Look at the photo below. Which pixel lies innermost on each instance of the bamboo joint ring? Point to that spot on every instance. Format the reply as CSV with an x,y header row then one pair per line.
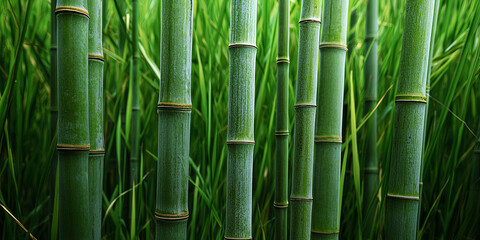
x,y
68,9
238,45
171,217
333,45
411,98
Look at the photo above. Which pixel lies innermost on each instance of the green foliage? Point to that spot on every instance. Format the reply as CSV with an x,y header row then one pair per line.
x,y
26,149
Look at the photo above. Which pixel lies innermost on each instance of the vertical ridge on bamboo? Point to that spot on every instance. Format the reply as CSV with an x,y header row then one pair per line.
x,y
371,160
240,136
95,109
174,111
281,131
73,143
410,102
306,90
328,130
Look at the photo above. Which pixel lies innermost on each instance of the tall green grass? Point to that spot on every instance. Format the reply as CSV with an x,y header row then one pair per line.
x,y
26,150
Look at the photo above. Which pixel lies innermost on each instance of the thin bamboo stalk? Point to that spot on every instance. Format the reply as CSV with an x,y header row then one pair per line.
x,y
73,132
306,90
328,130
135,132
281,132
240,136
370,200
427,91
403,184
95,109
174,110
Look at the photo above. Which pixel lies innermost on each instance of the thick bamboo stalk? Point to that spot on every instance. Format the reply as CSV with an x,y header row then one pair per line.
x,y
427,91
370,200
73,133
328,130
95,109
281,132
240,136
403,185
306,90
174,110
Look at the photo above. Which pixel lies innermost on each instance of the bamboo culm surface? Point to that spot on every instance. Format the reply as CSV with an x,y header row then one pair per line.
x,y
410,102
240,136
73,133
306,90
370,201
174,111
328,126
281,131
135,132
96,123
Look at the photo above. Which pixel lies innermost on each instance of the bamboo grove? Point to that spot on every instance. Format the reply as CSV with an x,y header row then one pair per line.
x,y
240,119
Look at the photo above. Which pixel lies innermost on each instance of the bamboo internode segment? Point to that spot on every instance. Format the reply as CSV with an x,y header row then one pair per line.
x,y
233,142
97,57
238,45
310,20
172,217
333,45
174,106
69,9
410,98
71,147
414,198
328,139
280,205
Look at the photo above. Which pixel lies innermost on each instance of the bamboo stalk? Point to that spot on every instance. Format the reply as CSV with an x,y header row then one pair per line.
x,y
174,110
95,109
73,133
281,133
427,91
328,130
240,136
403,184
370,200
306,90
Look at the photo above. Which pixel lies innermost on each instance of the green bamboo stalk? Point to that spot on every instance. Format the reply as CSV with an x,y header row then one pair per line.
x,y
328,130
240,136
370,200
306,90
95,109
73,132
135,132
174,110
281,133
427,91
403,184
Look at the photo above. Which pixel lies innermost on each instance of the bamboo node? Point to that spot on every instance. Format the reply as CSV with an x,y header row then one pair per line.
x,y
370,37
333,45
281,133
174,106
325,233
283,60
171,217
302,199
280,205
234,238
309,20
327,139
97,152
238,142
53,48
411,98
370,99
237,45
371,170
415,198
305,106
69,147
96,57
68,9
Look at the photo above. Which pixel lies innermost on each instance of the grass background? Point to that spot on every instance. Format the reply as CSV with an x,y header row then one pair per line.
x,y
450,207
